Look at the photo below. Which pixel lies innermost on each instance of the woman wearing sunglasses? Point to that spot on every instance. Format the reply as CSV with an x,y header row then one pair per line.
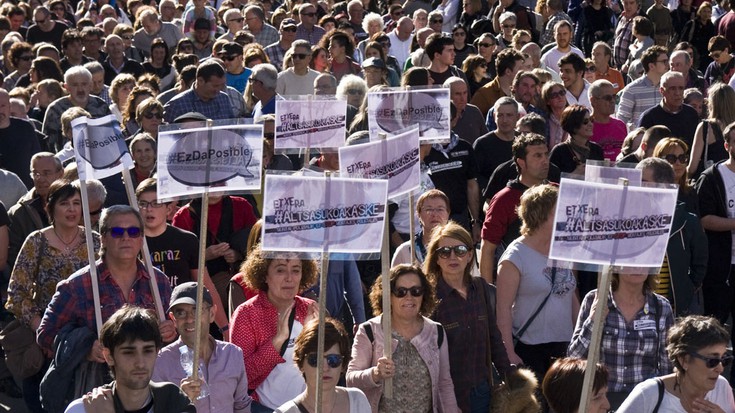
x,y
697,347
336,357
676,152
572,154
266,326
537,300
419,365
466,311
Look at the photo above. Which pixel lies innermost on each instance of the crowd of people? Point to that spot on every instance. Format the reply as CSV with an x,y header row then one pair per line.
x,y
537,88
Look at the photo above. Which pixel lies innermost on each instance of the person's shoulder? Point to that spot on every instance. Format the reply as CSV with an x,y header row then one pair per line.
x,y
178,232
77,406
226,347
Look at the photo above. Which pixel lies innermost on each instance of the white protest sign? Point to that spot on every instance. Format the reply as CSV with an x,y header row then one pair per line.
x,y
99,147
307,214
599,173
599,223
223,158
394,110
315,122
395,159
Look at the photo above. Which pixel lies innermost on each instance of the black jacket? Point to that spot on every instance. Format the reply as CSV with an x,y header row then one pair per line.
x,y
712,201
687,256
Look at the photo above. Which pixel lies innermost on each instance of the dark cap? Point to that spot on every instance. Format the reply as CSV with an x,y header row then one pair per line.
x,y
232,49
186,293
202,24
374,62
191,116
288,22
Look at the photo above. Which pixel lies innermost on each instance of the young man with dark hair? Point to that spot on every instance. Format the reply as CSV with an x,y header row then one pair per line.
x,y
71,45
130,341
508,62
722,67
440,49
571,70
643,93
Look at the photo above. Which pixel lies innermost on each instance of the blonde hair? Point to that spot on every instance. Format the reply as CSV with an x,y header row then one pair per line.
x,y
536,203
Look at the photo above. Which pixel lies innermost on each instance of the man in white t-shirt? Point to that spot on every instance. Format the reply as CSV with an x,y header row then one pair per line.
x,y
563,36
299,79
400,40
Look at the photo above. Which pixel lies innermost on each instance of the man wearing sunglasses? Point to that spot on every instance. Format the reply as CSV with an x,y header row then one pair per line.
x,y
228,388
672,112
122,279
298,79
608,131
277,51
307,29
722,67
236,74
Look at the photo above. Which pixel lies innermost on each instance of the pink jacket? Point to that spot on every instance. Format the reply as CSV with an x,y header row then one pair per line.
x,y
365,357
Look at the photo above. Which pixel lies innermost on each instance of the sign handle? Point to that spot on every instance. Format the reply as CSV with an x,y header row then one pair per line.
x,y
90,256
320,336
386,318
146,253
412,225
598,322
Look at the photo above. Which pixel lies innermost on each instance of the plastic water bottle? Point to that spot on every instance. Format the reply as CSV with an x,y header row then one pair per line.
x,y
187,362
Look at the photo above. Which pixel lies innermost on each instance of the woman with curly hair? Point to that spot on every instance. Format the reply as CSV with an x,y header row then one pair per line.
x,y
419,380
266,326
341,47
137,95
319,59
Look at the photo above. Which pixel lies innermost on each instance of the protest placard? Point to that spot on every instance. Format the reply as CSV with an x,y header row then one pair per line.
x,y
222,158
99,147
396,109
316,214
312,122
602,173
395,159
598,223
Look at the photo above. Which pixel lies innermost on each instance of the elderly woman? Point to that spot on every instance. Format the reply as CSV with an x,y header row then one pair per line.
x,y
149,115
120,89
508,22
572,154
419,365
266,326
353,89
21,56
48,256
466,311
634,339
47,91
708,144
433,210
698,31
143,151
698,349
372,23
537,300
562,386
336,357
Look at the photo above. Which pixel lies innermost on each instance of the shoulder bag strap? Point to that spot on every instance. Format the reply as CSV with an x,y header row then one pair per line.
x,y
478,283
301,407
291,318
660,394
540,307
705,128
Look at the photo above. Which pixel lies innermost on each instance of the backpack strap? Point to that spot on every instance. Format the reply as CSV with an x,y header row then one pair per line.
x,y
440,335
369,332
660,394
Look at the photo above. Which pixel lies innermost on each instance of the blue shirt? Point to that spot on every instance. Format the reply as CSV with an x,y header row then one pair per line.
x,y
185,102
269,108
239,81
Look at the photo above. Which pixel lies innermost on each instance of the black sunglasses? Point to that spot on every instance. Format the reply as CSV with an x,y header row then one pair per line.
x,y
151,115
119,232
671,158
333,360
712,362
437,21
312,14
459,250
401,292
301,56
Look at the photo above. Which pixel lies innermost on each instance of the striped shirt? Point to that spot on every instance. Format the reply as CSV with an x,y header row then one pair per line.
x,y
639,96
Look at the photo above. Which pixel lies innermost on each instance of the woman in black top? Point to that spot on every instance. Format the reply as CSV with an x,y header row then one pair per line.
x,y
572,154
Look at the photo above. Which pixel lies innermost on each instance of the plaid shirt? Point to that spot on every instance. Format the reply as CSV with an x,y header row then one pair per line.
x,y
465,321
623,39
268,35
631,355
276,54
218,108
312,36
73,300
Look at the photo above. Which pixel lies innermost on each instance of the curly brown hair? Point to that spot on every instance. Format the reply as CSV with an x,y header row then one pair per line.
x,y
428,301
256,267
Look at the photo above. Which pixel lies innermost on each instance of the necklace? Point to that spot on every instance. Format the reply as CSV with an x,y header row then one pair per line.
x,y
67,245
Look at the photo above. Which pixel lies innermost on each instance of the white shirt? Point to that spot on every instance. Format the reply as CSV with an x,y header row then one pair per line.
x,y
399,49
551,58
728,179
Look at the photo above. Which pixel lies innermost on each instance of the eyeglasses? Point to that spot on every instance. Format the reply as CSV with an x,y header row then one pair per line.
x,y
436,21
459,34
434,210
671,158
333,360
239,20
41,21
26,58
586,121
182,314
712,362
508,26
291,29
119,232
354,92
591,69
401,292
45,174
149,205
557,94
483,65
228,58
127,37
151,115
486,45
301,56
312,14
459,250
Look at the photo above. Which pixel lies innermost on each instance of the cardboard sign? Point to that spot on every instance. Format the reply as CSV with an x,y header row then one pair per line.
x,y
398,109
99,147
310,123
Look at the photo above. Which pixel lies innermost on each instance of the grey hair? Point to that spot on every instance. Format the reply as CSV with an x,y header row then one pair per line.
x,y
96,191
75,71
349,81
267,74
43,155
113,211
670,75
676,53
596,87
372,17
94,67
663,173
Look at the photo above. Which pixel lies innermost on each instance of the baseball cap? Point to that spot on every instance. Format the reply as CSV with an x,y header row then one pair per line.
x,y
186,293
374,62
288,22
